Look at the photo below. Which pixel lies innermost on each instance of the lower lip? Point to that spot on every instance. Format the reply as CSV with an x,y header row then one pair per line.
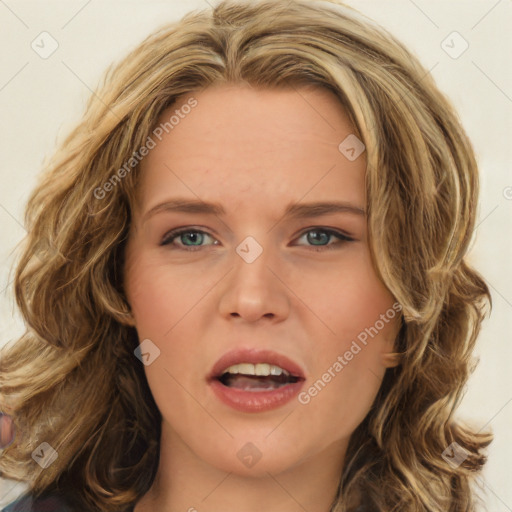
x,y
255,401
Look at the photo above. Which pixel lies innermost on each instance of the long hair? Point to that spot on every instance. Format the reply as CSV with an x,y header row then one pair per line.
x,y
72,379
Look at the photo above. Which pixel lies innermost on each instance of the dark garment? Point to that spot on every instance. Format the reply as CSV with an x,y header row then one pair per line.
x,y
56,503
46,503
49,503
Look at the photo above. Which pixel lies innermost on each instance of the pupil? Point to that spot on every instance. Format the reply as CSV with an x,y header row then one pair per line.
x,y
313,237
192,235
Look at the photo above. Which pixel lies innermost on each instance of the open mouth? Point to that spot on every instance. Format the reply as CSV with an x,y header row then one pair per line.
x,y
256,377
253,380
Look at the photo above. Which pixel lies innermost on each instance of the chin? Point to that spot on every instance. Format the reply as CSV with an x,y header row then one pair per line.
x,y
256,454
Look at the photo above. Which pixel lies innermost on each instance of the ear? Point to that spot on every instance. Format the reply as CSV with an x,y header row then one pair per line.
x,y
7,430
391,359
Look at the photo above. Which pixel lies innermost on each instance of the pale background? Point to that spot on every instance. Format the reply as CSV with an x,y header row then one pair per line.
x,y
40,99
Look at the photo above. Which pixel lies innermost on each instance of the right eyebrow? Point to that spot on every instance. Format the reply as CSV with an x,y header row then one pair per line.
x,y
185,206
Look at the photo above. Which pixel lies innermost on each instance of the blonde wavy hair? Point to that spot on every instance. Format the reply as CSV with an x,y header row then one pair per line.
x,y
72,379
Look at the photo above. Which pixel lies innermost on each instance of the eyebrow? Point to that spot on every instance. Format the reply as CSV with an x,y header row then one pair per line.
x,y
294,210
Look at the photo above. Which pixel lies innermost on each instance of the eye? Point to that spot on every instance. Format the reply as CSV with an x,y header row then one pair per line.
x,y
193,239
190,239
320,237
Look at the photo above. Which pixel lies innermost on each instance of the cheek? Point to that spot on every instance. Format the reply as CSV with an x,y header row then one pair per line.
x,y
349,301
159,298
348,376
357,310
161,316
342,404
164,304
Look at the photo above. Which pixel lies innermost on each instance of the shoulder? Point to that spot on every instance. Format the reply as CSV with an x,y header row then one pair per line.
x,y
46,503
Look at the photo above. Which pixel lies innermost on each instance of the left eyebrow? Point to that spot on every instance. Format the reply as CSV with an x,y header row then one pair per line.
x,y
307,210
294,210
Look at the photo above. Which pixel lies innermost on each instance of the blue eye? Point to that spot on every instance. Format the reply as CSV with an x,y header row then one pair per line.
x,y
194,236
192,239
320,237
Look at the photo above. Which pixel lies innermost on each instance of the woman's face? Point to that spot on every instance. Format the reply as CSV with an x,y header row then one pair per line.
x,y
272,272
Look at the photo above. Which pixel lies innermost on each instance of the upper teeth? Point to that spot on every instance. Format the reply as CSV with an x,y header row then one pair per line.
x,y
262,369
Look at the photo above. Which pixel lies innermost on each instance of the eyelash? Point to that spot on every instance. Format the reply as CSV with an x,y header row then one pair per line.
x,y
175,233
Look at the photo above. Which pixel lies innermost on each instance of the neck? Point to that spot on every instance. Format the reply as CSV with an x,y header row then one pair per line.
x,y
185,482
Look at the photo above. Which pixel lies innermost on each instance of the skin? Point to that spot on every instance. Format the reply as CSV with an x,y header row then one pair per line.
x,y
6,430
255,151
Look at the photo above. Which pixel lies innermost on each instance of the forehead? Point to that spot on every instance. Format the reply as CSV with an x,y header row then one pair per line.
x,y
237,140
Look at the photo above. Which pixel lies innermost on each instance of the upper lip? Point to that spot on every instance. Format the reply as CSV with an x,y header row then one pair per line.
x,y
255,356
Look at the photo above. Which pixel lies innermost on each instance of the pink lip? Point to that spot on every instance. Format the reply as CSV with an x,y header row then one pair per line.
x,y
255,401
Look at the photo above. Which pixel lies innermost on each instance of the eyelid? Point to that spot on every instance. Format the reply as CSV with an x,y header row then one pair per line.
x,y
326,229
339,234
174,233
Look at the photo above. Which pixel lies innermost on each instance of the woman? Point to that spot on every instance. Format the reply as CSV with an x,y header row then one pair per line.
x,y
245,281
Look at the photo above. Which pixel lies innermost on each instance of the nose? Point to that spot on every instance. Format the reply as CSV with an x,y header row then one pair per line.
x,y
254,290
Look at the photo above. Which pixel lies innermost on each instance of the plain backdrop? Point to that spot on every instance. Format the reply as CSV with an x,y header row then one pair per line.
x,y
42,98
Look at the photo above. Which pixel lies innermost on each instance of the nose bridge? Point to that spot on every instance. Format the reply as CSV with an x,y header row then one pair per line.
x,y
251,264
252,289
